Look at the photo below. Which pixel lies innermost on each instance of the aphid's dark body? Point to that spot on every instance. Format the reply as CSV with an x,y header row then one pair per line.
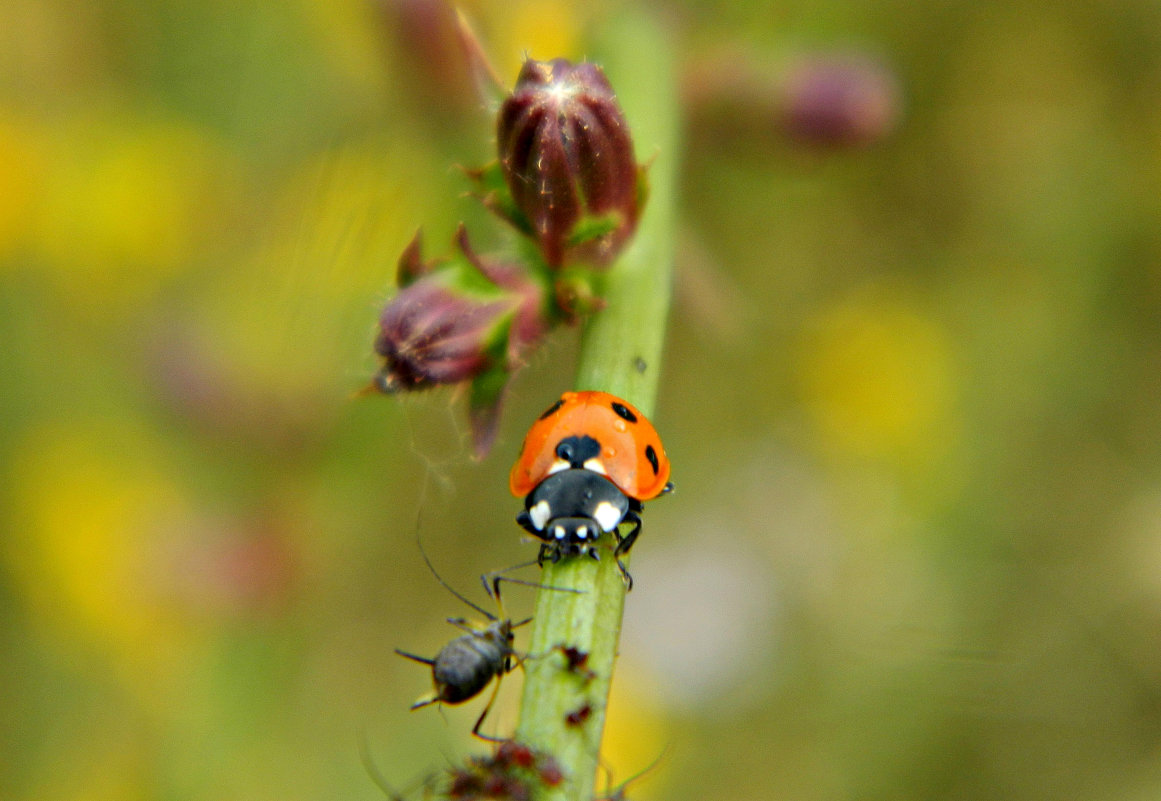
x,y
464,666
467,664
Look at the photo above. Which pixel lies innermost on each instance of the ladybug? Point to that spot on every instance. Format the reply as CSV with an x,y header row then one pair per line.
x,y
586,466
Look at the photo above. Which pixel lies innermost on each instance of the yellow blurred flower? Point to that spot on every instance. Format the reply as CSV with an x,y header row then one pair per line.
x,y
21,165
291,315
878,379
123,201
541,29
112,767
90,507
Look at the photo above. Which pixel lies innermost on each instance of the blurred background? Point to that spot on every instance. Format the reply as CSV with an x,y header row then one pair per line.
x,y
912,395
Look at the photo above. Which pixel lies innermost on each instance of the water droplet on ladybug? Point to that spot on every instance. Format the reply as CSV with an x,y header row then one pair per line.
x,y
620,425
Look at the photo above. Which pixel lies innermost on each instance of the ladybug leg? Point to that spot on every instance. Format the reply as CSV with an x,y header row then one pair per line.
x,y
625,576
624,544
550,551
525,522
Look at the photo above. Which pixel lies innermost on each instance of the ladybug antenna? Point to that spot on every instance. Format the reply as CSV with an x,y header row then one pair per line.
x,y
449,587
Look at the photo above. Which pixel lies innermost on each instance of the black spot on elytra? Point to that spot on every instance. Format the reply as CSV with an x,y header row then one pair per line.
x,y
551,410
623,412
651,455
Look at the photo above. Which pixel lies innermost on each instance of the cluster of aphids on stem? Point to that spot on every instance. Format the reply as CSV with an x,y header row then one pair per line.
x,y
514,772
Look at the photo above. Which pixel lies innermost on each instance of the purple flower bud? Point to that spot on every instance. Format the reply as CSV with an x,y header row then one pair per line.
x,y
452,321
840,100
430,333
567,158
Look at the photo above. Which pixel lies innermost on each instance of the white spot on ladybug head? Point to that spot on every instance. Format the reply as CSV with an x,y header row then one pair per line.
x,y
558,532
540,514
557,466
607,515
596,465
582,532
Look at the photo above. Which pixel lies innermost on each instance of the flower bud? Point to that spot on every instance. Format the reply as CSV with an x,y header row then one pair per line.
x,y
430,333
840,100
568,162
469,318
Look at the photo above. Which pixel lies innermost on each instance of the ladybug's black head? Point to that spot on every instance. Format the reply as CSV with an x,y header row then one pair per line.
x,y
571,509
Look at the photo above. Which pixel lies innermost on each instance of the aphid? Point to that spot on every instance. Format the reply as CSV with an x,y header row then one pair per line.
x,y
511,752
586,466
516,772
467,664
579,716
576,662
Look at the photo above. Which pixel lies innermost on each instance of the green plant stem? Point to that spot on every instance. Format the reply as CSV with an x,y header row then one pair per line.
x,y
621,354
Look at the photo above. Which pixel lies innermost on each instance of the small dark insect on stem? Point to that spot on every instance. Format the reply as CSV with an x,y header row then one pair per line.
x,y
579,716
467,664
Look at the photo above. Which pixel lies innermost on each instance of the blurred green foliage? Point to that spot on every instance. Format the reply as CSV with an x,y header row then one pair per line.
x,y
912,397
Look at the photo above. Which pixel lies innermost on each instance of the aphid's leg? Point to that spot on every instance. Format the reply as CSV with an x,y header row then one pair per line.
x,y
484,714
424,700
492,579
535,584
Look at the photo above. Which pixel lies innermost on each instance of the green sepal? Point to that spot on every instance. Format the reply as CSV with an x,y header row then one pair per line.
x,y
491,189
593,227
578,293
